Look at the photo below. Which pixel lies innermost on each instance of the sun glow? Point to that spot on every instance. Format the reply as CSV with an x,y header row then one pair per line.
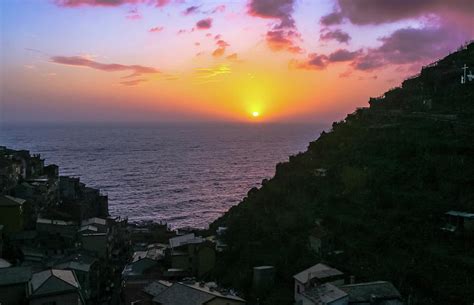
x,y
255,114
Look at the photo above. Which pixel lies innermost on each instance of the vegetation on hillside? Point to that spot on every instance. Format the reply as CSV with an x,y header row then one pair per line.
x,y
393,170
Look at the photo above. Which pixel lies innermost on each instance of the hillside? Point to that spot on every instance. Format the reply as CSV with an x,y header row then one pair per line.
x,y
392,171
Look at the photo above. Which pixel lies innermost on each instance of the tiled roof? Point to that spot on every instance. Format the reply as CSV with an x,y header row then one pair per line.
x,y
319,271
53,281
14,275
364,292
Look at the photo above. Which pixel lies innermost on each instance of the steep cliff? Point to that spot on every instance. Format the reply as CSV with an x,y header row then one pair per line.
x,y
379,184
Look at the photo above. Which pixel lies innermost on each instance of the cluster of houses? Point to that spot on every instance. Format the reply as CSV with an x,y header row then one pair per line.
x,y
324,285
58,244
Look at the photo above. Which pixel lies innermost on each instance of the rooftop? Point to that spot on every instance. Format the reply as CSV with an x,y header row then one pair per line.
x,y
156,287
184,240
52,281
94,221
324,294
193,294
14,275
7,201
56,222
364,292
461,214
319,271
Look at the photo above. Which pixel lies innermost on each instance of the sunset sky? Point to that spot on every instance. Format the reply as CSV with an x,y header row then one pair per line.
x,y
185,60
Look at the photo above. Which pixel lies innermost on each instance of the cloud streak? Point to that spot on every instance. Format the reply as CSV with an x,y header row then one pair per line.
x,y
109,3
79,61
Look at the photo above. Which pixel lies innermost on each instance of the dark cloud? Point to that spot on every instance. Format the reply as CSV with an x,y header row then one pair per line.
x,y
191,10
341,55
337,35
77,3
284,35
314,62
382,11
331,19
410,46
204,24
79,61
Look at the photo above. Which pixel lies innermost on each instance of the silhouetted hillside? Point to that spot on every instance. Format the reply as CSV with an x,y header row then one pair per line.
x,y
387,174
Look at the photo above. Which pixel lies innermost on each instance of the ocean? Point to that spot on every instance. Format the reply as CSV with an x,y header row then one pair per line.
x,y
185,174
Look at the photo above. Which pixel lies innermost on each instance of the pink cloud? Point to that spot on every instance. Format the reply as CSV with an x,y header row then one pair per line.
x,y
156,29
79,61
204,24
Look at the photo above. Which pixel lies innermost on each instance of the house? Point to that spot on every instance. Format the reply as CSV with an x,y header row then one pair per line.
x,y
379,293
99,223
11,213
54,286
192,293
325,294
315,276
457,221
196,259
13,284
144,260
86,269
62,228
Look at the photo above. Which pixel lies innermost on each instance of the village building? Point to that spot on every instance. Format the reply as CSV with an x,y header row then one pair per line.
x,y
55,286
459,222
193,255
373,293
142,261
194,293
11,213
325,294
86,269
13,285
315,276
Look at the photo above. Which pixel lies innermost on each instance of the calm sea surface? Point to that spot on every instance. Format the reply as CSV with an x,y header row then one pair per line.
x,y
184,174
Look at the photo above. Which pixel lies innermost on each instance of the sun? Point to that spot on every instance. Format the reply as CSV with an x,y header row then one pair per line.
x,y
255,114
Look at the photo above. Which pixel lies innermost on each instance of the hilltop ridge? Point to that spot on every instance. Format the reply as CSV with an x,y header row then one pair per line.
x,y
378,184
